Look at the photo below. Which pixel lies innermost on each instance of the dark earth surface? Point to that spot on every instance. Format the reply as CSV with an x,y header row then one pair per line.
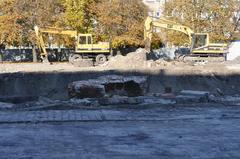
x,y
198,132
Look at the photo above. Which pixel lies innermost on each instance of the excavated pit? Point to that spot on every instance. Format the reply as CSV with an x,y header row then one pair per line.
x,y
29,86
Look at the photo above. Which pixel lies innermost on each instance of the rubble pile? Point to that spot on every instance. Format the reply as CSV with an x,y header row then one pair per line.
x,y
164,53
109,86
131,60
184,97
140,59
234,61
131,90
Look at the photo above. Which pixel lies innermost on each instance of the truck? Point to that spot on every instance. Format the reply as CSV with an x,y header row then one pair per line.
x,y
84,45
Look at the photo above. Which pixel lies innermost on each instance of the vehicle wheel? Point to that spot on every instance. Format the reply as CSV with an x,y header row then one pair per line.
x,y
74,57
101,59
52,57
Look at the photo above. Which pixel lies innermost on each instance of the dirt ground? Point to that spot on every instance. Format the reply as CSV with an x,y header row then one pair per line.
x,y
138,61
165,132
195,131
176,68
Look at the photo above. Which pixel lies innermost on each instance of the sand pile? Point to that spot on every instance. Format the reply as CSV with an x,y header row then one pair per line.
x,y
131,60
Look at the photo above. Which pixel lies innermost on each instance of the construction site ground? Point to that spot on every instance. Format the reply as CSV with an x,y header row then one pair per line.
x,y
52,79
174,67
196,130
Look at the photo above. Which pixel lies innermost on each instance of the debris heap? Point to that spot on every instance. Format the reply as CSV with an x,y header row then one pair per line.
x,y
131,60
107,86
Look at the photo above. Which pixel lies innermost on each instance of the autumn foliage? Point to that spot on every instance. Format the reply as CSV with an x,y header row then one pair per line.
x,y
219,18
120,21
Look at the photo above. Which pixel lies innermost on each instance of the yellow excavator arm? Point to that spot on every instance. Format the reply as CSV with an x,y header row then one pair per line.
x,y
50,30
199,42
150,24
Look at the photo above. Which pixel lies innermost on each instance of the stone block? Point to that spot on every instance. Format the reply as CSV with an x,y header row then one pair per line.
x,y
192,96
194,93
186,99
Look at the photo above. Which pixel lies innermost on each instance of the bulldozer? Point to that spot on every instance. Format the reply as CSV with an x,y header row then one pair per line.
x,y
199,44
84,46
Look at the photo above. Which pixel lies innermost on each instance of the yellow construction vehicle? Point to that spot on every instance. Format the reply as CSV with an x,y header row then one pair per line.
x,y
198,42
84,46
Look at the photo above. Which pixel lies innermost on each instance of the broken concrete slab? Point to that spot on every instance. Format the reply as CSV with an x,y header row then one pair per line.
x,y
125,86
6,105
194,93
86,89
227,100
168,96
110,85
192,96
186,99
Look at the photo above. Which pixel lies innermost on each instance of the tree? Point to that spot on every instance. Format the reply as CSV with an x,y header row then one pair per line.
x,y
121,21
78,15
20,16
215,17
9,29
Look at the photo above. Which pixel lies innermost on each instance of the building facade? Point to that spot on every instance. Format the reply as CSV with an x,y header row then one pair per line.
x,y
155,7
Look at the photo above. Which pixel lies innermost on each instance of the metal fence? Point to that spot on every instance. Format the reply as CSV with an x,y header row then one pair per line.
x,y
25,55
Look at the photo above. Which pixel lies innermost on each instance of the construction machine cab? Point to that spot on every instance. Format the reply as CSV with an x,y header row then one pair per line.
x,y
84,39
84,42
199,40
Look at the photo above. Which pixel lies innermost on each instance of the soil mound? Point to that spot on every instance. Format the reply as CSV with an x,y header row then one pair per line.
x,y
131,60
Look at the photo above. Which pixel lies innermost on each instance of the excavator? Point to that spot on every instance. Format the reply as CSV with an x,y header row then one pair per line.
x,y
199,44
84,46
